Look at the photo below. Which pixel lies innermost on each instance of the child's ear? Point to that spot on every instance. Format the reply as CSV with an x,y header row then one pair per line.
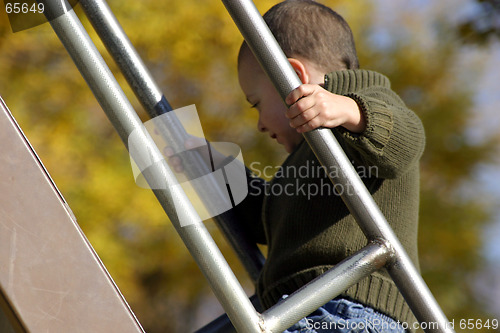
x,y
300,69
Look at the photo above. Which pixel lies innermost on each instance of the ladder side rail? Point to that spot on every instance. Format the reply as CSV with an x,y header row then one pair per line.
x,y
112,99
329,153
154,102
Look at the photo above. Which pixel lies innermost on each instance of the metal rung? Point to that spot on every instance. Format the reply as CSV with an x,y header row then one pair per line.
x,y
326,287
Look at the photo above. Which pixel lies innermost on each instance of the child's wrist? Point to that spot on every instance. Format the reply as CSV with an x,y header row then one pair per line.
x,y
356,121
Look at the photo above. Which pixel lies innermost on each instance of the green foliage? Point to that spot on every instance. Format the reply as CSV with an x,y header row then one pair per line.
x,y
190,48
483,25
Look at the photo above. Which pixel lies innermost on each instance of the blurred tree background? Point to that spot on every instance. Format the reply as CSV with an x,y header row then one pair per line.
x,y
190,47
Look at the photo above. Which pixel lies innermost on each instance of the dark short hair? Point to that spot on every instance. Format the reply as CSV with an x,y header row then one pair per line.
x,y
313,31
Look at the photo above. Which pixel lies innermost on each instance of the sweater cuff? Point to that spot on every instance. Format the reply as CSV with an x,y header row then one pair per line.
x,y
379,124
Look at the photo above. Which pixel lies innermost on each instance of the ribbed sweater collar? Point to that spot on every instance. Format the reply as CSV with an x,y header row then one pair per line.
x,y
346,81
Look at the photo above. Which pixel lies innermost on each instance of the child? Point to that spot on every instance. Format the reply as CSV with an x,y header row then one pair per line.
x,y
299,215
308,233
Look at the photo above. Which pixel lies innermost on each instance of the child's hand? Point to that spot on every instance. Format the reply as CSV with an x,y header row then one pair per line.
x,y
201,145
175,161
313,107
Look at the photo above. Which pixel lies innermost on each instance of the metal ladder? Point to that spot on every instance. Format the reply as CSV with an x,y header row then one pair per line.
x,y
383,249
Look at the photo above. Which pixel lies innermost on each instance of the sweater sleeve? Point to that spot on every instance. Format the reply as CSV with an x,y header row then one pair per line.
x,y
394,138
249,211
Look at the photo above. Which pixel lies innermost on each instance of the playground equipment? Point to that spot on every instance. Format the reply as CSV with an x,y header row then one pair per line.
x,y
23,307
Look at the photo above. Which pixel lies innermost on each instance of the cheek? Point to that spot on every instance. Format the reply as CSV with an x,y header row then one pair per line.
x,y
274,100
279,110
273,114
281,122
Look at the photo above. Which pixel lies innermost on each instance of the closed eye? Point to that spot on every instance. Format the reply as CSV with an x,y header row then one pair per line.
x,y
252,105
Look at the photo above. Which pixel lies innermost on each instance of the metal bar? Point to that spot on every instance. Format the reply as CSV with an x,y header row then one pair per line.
x,y
125,55
326,287
329,153
121,114
142,83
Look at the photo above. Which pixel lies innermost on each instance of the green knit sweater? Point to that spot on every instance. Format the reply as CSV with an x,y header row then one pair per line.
x,y
304,222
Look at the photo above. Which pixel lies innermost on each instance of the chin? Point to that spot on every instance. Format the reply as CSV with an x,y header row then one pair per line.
x,y
290,148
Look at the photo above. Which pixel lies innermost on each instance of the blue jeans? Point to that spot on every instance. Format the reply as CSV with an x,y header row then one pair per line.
x,y
344,316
